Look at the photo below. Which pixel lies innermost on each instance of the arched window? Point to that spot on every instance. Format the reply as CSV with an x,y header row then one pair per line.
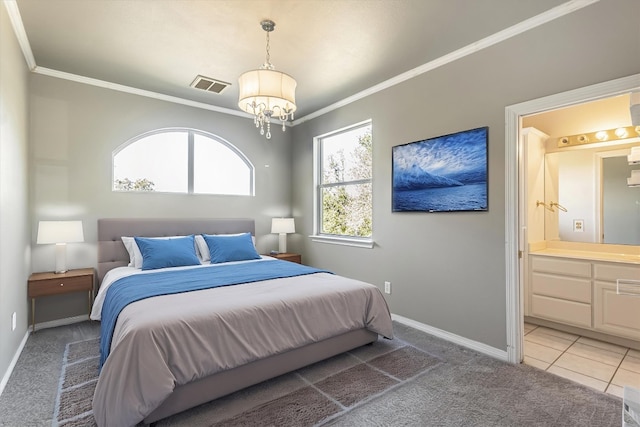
x,y
182,161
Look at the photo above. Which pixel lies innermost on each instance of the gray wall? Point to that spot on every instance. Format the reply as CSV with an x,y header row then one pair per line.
x,y
74,130
448,269
14,209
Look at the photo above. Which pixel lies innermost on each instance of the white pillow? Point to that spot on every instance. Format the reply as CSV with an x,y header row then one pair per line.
x,y
135,256
131,247
203,248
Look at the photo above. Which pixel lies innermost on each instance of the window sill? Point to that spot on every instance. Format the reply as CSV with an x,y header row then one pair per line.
x,y
345,241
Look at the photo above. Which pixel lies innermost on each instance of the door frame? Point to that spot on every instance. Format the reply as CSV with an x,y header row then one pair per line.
x,y
513,151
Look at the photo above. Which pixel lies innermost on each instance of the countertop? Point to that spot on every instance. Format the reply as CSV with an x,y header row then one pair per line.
x,y
589,255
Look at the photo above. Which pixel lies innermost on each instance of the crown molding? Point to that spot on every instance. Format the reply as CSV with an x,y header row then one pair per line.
x,y
21,34
514,30
135,91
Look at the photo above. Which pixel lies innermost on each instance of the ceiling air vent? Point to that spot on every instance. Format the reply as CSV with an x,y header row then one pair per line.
x,y
209,84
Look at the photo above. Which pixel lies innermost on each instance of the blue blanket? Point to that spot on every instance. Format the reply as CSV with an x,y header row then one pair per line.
x,y
140,286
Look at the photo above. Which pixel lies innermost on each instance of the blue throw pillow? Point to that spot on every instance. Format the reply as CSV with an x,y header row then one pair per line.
x,y
160,253
231,248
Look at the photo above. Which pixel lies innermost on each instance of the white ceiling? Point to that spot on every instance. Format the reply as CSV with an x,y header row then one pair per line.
x,y
601,114
335,49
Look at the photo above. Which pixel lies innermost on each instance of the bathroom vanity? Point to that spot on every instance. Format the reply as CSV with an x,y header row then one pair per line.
x,y
585,290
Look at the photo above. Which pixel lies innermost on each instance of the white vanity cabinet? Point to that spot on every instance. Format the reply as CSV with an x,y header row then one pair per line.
x,y
561,290
613,313
582,293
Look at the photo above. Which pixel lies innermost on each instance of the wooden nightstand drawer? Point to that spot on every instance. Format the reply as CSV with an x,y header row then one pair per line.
x,y
297,258
60,285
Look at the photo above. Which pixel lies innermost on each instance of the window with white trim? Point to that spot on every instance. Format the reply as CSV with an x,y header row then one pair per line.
x,y
182,161
343,186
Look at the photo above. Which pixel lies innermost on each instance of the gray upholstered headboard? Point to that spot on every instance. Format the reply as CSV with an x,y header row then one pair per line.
x,y
111,251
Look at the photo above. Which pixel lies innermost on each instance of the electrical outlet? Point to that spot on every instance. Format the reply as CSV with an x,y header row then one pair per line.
x,y
578,225
13,321
387,287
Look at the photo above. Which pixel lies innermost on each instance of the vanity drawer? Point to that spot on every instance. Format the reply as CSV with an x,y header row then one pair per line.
x,y
561,266
559,310
613,272
568,288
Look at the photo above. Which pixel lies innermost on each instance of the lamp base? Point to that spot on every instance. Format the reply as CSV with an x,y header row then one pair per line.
x,y
61,258
282,243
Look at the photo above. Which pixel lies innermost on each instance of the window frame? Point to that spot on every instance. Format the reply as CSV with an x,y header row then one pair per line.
x,y
318,236
190,161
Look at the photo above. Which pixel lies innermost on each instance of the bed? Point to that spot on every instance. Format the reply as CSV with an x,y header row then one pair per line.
x,y
172,352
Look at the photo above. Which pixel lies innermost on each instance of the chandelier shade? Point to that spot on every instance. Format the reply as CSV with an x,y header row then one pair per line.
x,y
266,93
267,90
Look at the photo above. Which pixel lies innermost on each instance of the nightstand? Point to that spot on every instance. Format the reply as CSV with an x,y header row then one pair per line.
x,y
47,284
289,257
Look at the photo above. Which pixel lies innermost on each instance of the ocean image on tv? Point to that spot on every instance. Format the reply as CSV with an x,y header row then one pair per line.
x,y
443,174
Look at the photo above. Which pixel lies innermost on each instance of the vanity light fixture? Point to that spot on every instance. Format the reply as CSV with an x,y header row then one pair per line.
x,y
616,134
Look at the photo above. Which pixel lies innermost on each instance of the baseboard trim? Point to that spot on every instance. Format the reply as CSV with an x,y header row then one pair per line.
x,y
12,365
61,322
456,339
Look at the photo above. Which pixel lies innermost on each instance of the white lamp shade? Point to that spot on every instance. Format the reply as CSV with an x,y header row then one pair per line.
x,y
267,90
60,232
283,225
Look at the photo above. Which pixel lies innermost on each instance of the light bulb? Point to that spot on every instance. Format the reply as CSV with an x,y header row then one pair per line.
x,y
621,133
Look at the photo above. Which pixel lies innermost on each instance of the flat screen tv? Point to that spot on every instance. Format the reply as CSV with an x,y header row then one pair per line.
x,y
443,174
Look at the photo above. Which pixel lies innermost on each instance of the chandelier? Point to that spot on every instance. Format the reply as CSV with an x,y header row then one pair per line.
x,y
267,93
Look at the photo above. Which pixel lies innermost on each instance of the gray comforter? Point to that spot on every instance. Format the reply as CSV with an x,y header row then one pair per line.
x,y
171,340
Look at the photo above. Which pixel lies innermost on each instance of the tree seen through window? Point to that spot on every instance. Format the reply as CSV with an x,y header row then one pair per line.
x,y
345,188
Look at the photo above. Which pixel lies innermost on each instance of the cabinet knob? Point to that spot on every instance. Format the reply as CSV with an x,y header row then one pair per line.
x,y
61,284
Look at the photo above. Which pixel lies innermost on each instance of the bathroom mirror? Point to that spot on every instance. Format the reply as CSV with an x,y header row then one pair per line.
x,y
620,203
591,184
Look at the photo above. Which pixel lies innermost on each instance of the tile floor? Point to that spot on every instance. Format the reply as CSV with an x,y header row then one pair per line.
x,y
600,365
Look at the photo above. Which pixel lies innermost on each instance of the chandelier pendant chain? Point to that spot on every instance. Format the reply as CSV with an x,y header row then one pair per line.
x,y
267,64
268,26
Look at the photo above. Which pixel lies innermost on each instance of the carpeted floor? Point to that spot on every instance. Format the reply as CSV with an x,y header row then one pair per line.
x,y
323,393
414,380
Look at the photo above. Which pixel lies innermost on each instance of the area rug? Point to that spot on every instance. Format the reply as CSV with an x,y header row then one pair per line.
x,y
77,382
311,396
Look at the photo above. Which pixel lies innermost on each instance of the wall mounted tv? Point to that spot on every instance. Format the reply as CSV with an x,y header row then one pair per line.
x,y
443,174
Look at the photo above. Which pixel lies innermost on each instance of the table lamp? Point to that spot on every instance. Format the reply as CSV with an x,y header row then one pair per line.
x,y
282,226
60,233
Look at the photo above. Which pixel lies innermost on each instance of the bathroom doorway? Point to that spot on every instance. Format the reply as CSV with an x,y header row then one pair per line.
x,y
516,197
